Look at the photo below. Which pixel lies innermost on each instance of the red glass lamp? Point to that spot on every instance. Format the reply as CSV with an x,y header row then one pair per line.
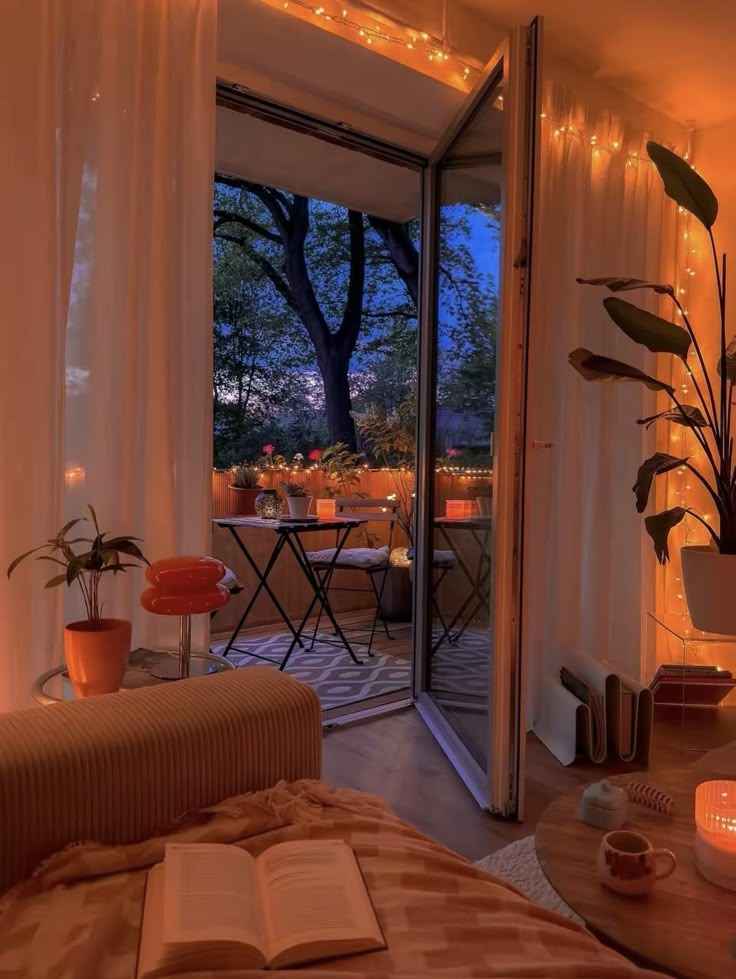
x,y
185,585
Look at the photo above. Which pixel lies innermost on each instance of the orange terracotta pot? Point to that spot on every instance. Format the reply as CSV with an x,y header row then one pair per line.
x,y
96,657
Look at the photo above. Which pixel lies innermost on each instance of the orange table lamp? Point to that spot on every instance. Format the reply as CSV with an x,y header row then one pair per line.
x,y
715,832
184,585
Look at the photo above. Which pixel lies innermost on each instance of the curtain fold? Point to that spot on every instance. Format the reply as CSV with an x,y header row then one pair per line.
x,y
601,212
107,169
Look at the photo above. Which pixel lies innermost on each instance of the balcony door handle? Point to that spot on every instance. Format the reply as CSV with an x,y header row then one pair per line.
x,y
538,444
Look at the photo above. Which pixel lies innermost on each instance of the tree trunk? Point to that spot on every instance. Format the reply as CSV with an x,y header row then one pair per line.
x,y
334,371
397,241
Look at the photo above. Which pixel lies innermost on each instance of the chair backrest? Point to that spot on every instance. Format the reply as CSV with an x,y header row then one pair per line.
x,y
380,510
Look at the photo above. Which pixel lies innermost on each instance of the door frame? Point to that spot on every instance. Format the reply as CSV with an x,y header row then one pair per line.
x,y
500,788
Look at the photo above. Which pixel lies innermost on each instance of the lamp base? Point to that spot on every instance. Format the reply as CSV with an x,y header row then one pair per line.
x,y
716,865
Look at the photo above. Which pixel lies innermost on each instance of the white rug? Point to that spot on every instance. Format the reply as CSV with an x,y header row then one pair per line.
x,y
517,863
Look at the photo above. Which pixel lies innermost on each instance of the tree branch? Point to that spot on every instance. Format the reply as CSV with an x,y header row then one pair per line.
x,y
228,217
352,315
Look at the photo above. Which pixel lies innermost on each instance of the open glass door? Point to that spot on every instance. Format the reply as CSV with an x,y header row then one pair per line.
x,y
470,478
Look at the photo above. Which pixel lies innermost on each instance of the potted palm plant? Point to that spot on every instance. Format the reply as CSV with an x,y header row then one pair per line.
x,y
297,499
709,572
244,488
95,648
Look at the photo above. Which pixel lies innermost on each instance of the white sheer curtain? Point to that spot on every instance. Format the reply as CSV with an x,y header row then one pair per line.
x,y
106,166
590,582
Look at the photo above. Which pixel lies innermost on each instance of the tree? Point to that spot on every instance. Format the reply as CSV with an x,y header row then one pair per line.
x,y
272,227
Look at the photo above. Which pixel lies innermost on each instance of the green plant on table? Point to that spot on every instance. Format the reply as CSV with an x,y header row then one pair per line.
x,y
294,489
87,566
245,476
710,421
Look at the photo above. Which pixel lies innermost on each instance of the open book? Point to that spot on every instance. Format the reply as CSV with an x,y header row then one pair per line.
x,y
213,906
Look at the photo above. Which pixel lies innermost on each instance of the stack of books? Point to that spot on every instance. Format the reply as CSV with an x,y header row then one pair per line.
x,y
678,684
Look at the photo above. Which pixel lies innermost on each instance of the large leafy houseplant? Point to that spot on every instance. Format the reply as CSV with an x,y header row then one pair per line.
x,y
710,420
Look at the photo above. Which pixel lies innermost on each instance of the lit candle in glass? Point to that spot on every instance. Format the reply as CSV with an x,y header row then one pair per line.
x,y
715,832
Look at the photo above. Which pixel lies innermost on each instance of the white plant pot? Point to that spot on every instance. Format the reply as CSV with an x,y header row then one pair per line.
x,y
299,505
710,587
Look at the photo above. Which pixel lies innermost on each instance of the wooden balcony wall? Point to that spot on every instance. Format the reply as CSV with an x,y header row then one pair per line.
x,y
288,581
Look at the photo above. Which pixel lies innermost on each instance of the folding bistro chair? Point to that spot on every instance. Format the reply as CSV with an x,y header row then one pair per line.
x,y
442,562
373,561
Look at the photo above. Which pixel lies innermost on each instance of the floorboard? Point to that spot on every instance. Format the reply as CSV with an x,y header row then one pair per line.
x,y
396,757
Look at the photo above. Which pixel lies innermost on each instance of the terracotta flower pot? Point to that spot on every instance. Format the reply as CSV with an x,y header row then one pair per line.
x,y
96,658
243,501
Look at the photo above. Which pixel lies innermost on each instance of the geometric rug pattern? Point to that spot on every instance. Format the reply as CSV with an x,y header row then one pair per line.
x,y
463,668
329,669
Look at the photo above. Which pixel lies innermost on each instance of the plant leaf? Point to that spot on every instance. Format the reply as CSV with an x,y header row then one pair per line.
x,y
656,334
659,526
14,564
73,570
622,284
730,361
655,465
68,526
59,579
686,187
688,415
94,518
126,546
594,367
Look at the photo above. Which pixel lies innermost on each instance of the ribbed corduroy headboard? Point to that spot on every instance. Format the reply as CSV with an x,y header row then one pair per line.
x,y
115,768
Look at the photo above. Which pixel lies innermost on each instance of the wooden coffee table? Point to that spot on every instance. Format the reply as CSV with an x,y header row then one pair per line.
x,y
687,926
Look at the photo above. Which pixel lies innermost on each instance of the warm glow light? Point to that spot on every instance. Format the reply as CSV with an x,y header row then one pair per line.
x,y
715,832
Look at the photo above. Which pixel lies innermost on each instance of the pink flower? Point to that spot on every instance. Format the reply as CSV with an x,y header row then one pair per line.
x,y
451,453
314,455
268,449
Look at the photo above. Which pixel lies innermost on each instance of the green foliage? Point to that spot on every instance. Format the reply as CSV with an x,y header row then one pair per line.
x,y
711,421
87,567
245,476
342,468
294,489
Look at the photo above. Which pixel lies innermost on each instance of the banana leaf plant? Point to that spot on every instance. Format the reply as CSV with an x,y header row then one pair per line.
x,y
709,420
87,565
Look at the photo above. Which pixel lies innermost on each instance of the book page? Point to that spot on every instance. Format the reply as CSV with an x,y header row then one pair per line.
x,y
210,894
315,901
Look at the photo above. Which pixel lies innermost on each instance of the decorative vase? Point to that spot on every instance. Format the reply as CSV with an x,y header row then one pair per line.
x,y
710,584
243,500
484,505
268,504
96,656
299,506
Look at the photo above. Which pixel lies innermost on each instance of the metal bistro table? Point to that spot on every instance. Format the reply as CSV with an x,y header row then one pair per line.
x,y
479,529
288,533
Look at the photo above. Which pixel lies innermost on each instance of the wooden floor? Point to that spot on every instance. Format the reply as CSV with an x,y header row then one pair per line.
x,y
396,757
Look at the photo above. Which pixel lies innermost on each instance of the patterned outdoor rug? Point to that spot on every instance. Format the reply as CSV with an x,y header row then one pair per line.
x,y
329,669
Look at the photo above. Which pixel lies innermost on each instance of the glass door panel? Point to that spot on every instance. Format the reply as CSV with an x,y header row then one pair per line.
x,y
477,224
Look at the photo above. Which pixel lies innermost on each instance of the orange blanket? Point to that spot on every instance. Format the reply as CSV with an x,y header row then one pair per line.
x,y
79,916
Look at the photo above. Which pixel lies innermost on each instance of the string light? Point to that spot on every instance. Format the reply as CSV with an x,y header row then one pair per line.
x,y
415,42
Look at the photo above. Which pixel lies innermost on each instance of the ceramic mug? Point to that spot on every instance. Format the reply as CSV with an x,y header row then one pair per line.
x,y
627,863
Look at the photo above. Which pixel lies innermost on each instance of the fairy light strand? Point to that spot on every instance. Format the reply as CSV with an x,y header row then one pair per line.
x,y
434,49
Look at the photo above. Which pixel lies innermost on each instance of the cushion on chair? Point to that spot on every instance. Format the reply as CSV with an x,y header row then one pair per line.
x,y
440,559
362,558
230,581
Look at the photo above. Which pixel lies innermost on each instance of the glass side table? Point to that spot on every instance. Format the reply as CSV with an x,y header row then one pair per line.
x,y
146,667
697,650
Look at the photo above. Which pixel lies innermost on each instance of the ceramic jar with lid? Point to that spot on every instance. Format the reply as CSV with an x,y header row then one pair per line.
x,y
605,805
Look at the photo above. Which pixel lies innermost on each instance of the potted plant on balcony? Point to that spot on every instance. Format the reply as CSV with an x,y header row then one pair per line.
x,y
297,500
95,648
709,572
244,488
342,469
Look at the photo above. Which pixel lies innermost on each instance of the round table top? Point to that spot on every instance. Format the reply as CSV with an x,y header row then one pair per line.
x,y
145,668
686,926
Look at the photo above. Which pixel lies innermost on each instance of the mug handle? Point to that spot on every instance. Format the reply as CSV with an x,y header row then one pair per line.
x,y
671,859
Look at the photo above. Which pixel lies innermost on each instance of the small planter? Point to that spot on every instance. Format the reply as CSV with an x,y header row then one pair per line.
x,y
299,506
243,501
396,597
96,657
710,586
